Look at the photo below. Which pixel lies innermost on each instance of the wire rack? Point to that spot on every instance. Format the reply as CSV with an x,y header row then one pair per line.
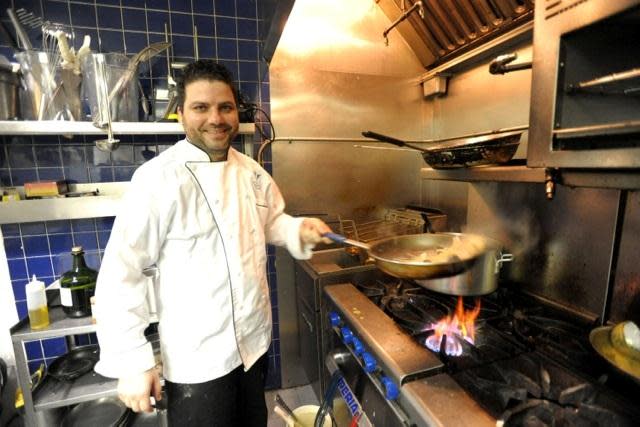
x,y
392,222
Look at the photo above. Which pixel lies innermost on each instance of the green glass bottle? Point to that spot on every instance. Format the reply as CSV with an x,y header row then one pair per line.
x,y
77,286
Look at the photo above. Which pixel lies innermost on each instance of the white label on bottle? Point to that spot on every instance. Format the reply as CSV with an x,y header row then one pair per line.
x,y
65,297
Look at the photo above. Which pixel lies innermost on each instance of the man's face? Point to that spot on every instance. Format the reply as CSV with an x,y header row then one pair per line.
x,y
210,116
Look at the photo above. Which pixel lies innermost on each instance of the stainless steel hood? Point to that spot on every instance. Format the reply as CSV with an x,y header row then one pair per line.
x,y
273,17
439,30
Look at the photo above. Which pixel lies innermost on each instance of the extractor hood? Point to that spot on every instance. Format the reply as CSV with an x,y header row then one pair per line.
x,y
439,30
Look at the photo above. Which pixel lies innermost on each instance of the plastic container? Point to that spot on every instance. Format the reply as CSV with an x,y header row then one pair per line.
x,y
37,304
97,86
51,93
306,415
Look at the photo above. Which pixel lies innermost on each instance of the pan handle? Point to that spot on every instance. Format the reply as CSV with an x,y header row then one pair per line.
x,y
503,258
390,140
338,238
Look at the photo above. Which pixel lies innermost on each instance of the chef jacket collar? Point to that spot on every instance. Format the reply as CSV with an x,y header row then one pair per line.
x,y
192,153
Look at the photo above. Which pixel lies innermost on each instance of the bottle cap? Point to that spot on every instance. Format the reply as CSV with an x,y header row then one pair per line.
x,y
35,285
76,249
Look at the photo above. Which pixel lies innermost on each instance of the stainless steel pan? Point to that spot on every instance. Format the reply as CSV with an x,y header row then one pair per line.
x,y
483,149
431,256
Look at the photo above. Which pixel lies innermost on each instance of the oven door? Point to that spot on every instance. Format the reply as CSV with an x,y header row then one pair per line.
x,y
585,103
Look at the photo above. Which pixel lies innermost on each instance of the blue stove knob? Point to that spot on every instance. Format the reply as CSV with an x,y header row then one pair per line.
x,y
334,318
358,347
347,335
369,362
391,389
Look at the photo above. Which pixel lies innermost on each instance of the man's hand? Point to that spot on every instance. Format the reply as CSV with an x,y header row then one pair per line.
x,y
135,390
311,231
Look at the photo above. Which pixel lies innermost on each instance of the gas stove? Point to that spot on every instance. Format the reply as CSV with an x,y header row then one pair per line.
x,y
522,363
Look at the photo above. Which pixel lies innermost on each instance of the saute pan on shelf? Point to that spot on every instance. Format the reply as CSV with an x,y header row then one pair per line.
x,y
484,149
424,257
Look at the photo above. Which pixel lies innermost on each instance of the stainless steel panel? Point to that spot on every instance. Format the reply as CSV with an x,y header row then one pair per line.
x,y
625,303
448,196
441,401
562,248
478,101
400,357
342,179
292,373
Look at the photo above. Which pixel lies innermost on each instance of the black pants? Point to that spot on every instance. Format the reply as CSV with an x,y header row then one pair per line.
x,y
236,399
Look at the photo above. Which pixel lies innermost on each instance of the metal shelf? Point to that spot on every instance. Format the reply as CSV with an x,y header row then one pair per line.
x,y
59,324
59,208
486,173
54,394
56,127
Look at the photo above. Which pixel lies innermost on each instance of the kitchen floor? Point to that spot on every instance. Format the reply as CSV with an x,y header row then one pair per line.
x,y
293,397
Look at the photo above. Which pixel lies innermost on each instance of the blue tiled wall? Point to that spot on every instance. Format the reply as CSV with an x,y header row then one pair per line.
x,y
227,32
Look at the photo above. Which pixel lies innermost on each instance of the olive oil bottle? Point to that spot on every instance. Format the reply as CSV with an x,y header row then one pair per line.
x,y
77,286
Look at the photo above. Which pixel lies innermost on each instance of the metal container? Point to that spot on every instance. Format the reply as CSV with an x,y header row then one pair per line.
x,y
8,91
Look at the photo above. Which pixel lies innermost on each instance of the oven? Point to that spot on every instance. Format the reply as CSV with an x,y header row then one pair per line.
x,y
585,97
520,361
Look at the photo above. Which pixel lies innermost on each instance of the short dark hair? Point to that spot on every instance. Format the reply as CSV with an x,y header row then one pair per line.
x,y
205,69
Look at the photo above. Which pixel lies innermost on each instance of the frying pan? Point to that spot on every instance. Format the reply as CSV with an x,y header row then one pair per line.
x,y
74,363
425,256
460,152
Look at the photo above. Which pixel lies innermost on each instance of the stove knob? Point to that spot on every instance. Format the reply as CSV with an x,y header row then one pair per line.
x,y
391,390
347,335
369,362
334,318
358,347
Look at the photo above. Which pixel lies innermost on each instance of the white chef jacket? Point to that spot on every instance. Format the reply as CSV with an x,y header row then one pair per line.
x,y
205,225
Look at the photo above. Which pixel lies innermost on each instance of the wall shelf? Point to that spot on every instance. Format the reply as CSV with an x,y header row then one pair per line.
x,y
52,209
55,127
486,173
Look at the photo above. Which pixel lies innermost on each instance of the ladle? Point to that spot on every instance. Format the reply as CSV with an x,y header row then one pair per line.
x,y
109,144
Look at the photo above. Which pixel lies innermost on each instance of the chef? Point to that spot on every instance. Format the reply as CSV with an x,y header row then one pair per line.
x,y
202,213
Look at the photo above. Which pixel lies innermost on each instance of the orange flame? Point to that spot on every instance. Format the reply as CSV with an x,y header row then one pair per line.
x,y
460,325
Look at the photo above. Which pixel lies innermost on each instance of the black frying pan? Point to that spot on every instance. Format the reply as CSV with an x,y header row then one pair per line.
x,y
75,363
491,148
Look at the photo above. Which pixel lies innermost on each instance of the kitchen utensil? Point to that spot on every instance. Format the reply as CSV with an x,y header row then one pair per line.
x,y
110,143
9,86
620,346
430,255
144,55
171,83
462,152
288,419
106,411
21,34
280,401
75,363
